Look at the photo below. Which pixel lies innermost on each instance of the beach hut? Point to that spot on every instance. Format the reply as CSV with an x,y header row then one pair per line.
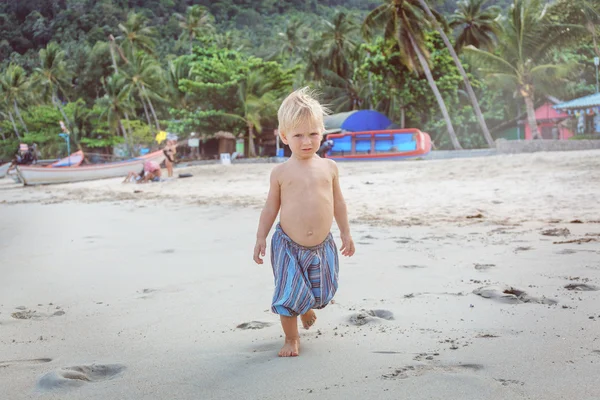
x,y
226,142
550,122
587,111
356,121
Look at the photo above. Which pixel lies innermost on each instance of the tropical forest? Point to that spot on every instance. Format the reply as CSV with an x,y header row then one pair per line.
x,y
116,73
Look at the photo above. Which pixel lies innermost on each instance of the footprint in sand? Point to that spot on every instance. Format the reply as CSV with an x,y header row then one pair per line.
x,y
411,266
79,375
510,295
370,316
507,382
523,248
4,364
583,287
254,325
483,267
32,314
418,370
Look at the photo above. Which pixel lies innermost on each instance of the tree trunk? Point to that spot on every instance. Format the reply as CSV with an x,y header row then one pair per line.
x,y
535,133
146,112
151,108
463,73
191,45
124,133
251,149
112,55
19,116
2,133
402,117
437,94
14,125
129,143
56,102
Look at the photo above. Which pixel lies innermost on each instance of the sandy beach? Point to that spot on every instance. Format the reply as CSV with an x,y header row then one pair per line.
x,y
473,279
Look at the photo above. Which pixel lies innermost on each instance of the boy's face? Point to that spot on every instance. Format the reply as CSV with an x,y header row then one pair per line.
x,y
304,140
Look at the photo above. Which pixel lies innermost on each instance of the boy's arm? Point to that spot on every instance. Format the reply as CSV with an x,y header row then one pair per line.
x,y
267,216
340,212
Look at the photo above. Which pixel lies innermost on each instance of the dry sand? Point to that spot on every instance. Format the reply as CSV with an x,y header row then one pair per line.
x,y
106,293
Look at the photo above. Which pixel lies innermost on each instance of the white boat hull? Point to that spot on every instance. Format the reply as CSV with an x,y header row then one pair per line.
x,y
3,169
45,176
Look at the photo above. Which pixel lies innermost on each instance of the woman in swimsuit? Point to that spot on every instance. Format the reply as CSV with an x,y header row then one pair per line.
x,y
169,151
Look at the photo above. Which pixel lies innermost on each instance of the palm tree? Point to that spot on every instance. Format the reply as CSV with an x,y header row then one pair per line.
x,y
52,76
522,60
144,75
337,44
476,26
177,70
581,12
470,92
404,21
257,98
14,87
136,35
194,24
116,103
291,40
344,94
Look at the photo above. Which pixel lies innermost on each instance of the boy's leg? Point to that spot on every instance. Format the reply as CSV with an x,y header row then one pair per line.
x,y
308,319
291,347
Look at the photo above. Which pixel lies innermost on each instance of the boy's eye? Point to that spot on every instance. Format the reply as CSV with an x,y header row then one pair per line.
x,y
314,134
297,135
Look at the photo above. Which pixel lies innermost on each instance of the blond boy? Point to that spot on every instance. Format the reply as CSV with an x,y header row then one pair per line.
x,y
305,190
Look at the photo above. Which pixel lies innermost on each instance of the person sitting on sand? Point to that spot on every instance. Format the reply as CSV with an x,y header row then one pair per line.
x,y
151,172
306,189
134,177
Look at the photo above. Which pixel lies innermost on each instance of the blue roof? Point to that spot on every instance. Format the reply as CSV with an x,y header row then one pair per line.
x,y
592,100
358,121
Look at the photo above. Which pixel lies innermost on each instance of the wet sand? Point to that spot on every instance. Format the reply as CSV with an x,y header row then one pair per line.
x,y
473,279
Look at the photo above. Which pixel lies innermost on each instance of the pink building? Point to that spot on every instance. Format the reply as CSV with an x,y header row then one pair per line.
x,y
549,123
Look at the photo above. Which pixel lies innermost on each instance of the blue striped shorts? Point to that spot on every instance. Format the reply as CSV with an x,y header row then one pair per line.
x,y
305,277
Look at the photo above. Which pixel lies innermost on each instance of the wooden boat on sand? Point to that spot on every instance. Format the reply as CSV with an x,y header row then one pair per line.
x,y
74,160
4,169
391,144
43,176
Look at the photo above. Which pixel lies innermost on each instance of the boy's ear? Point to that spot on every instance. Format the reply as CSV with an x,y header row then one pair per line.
x,y
283,137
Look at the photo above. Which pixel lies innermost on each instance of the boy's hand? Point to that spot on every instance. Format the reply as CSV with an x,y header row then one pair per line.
x,y
259,250
347,246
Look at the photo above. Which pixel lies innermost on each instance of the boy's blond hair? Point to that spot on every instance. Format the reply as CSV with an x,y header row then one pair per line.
x,y
301,106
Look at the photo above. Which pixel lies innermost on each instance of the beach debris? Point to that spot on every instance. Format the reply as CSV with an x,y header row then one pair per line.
x,y
583,287
79,375
576,221
510,295
254,325
475,216
579,241
556,232
481,267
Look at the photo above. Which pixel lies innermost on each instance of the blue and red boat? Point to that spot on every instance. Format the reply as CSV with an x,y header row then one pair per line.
x,y
392,144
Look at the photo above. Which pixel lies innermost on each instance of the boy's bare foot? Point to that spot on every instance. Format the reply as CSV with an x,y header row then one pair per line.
x,y
308,319
290,348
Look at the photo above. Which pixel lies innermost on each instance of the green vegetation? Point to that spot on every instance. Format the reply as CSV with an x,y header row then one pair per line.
x,y
118,71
